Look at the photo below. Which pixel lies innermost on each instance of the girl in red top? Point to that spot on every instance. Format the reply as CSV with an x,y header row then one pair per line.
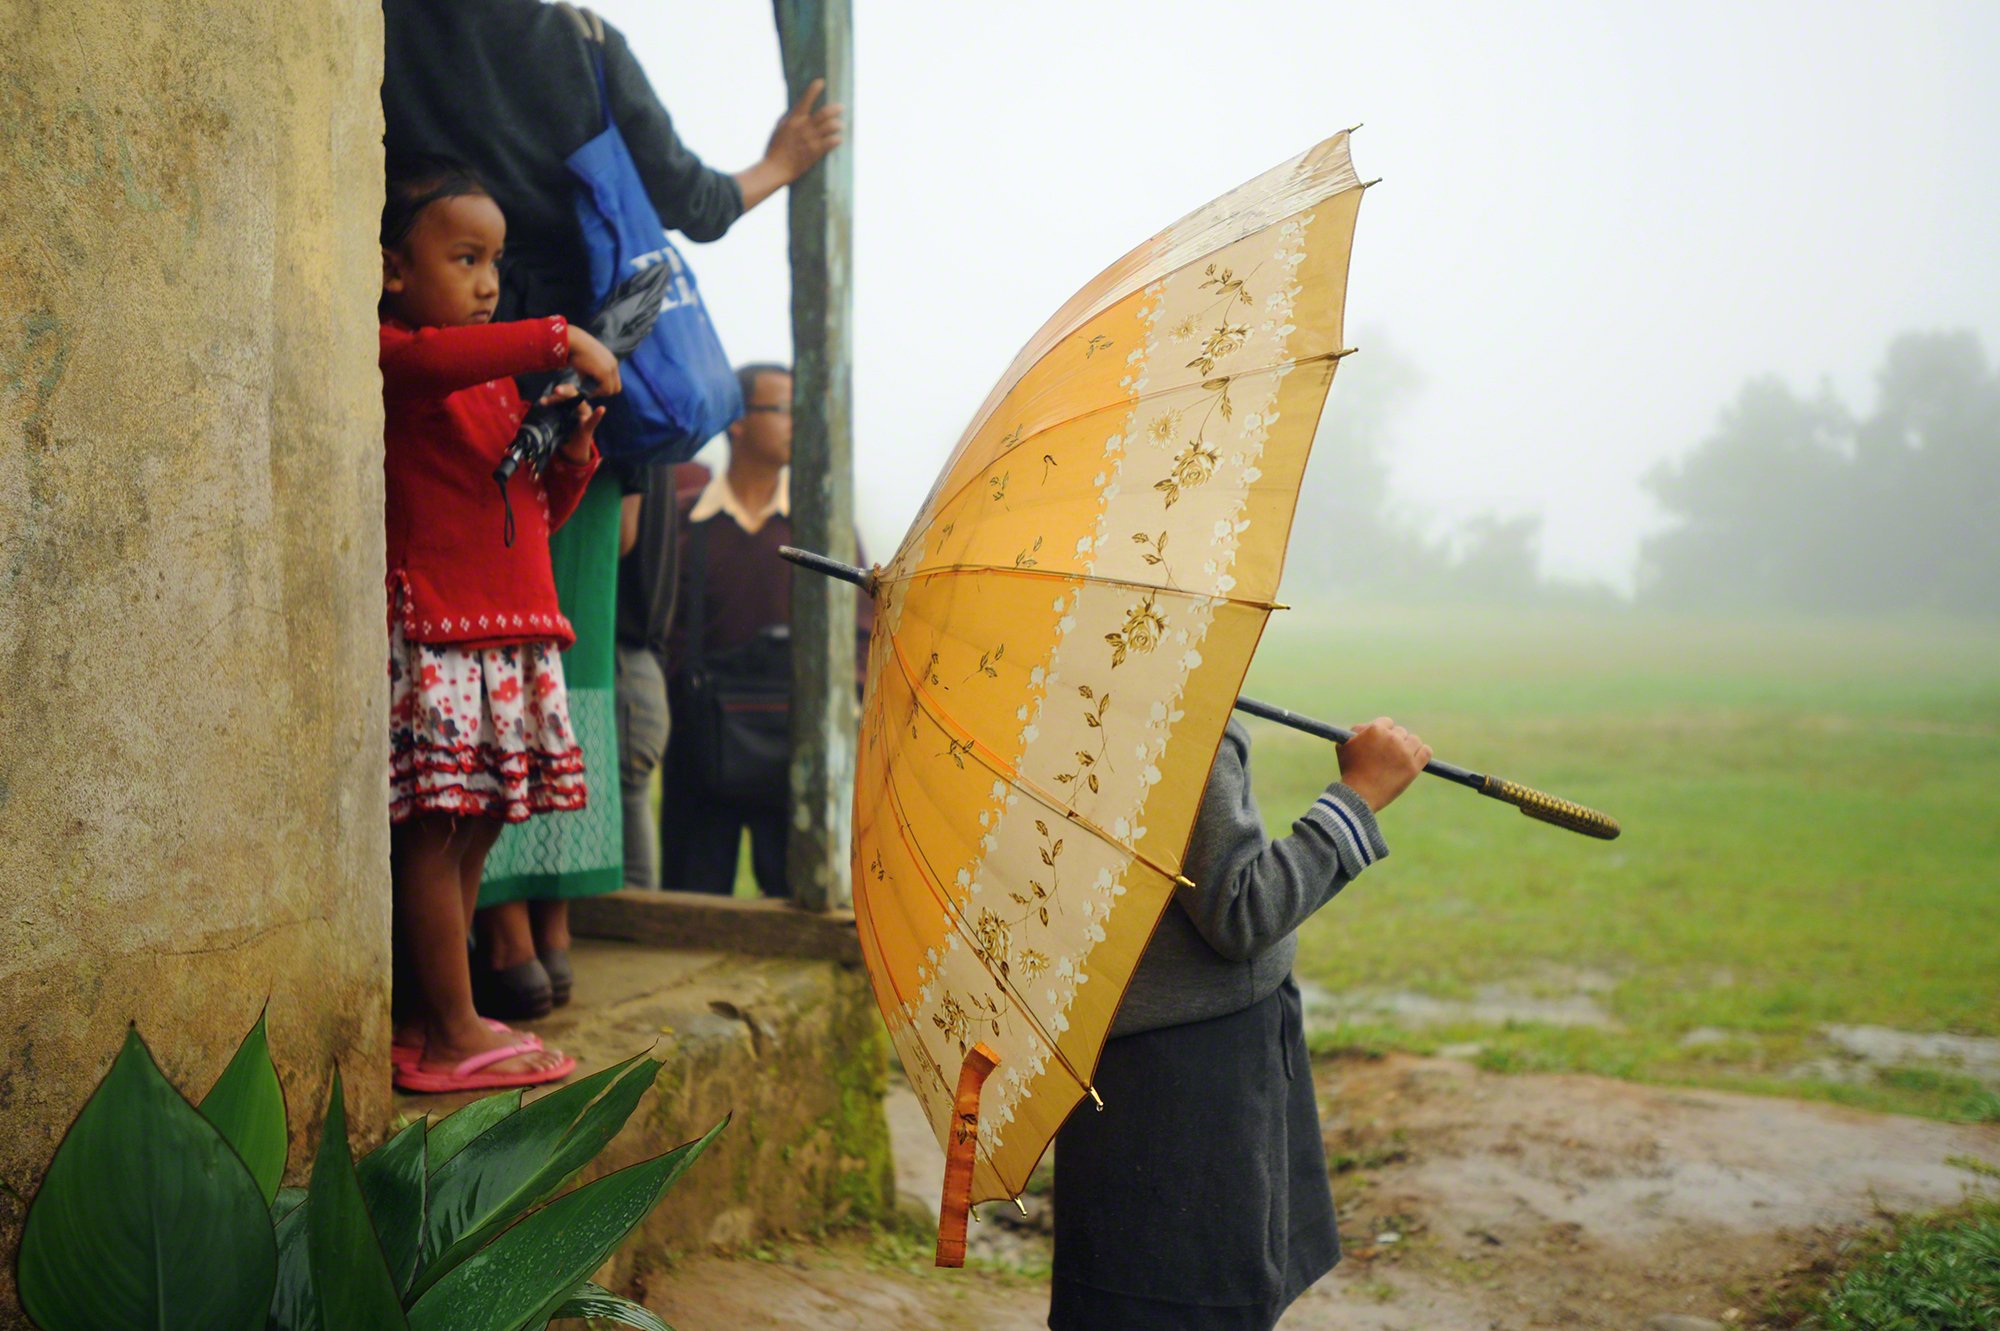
x,y
478,718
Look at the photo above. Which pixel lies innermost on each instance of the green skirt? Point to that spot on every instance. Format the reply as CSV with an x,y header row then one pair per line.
x,y
581,853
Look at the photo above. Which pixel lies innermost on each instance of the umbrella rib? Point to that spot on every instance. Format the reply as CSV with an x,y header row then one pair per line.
x,y
861,900
1126,404
928,873
867,913
992,762
1054,575
902,833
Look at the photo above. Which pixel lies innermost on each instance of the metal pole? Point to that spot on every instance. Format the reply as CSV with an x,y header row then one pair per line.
x,y
815,37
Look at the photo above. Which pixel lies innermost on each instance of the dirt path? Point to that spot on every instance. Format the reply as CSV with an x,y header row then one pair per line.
x,y
1467,1200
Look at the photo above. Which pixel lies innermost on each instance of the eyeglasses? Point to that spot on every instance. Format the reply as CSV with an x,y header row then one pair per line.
x,y
783,407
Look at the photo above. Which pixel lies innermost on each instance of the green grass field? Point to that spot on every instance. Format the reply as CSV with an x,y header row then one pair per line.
x,y
1812,838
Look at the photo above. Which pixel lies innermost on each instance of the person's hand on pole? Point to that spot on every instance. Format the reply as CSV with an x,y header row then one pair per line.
x,y
1381,761
803,135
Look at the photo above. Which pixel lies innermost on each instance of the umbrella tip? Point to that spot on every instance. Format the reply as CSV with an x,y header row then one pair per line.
x,y
1095,1099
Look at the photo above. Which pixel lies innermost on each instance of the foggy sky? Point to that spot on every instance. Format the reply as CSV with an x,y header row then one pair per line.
x,y
1595,223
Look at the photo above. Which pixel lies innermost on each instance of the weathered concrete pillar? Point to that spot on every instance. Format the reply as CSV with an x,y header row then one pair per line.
x,y
193,739
817,40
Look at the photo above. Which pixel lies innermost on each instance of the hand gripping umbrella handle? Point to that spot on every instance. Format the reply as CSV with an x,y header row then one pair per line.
x,y
1534,803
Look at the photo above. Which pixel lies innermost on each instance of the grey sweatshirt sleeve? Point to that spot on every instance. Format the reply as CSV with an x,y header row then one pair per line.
x,y
699,202
1251,892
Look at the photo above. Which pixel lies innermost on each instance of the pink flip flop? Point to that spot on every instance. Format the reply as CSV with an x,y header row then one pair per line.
x,y
409,1055
470,1075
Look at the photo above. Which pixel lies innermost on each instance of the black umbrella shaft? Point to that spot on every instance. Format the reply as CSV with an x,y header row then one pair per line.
x,y
832,568
1285,716
1534,803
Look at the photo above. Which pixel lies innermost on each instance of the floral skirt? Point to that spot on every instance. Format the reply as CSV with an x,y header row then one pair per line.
x,y
480,732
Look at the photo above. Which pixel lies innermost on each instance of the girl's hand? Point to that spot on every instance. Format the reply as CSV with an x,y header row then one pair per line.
x,y
578,447
1381,761
593,361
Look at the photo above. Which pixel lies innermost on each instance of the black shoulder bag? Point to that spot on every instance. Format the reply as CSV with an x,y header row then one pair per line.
x,y
732,711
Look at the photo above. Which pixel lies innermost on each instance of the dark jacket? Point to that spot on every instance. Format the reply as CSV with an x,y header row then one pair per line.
x,y
506,87
649,575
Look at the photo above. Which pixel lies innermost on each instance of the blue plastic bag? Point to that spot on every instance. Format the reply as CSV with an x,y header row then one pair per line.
x,y
680,390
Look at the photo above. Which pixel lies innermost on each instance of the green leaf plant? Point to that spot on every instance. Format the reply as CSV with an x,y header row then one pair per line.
x,y
161,1215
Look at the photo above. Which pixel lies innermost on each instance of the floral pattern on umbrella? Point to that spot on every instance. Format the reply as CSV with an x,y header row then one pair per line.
x,y
1060,638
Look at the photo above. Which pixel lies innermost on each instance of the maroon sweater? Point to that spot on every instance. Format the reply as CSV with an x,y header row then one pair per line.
x,y
748,586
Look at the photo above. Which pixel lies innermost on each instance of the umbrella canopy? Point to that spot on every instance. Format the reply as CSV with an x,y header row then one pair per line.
x,y
1060,639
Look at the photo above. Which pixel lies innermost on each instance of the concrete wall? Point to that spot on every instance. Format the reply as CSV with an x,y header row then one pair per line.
x,y
192,731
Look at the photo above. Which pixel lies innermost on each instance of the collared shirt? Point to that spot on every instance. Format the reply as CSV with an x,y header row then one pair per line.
x,y
721,497
732,579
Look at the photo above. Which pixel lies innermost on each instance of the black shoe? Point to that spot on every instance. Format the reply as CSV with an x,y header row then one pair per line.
x,y
561,978
516,993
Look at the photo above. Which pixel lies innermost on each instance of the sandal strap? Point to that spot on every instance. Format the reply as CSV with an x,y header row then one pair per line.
x,y
480,1062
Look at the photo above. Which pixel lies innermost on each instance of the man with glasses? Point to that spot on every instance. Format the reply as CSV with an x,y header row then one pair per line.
x,y
729,657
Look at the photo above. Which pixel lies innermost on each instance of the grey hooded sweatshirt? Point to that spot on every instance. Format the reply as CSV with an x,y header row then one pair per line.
x,y
1229,940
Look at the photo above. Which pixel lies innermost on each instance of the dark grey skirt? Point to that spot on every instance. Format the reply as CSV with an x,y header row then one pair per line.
x,y
1198,1199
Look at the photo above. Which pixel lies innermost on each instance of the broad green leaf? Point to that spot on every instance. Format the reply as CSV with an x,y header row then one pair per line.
x,y
392,1178
247,1106
512,1166
146,1218
348,1271
595,1301
456,1130
287,1201
294,1303
521,1278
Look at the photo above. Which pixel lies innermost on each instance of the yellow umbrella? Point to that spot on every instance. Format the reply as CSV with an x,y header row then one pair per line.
x,y
1060,639
1058,643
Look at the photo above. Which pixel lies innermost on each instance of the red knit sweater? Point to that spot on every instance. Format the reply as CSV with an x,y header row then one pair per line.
x,y
451,411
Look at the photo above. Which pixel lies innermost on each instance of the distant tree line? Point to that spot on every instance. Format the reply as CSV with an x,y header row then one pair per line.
x,y
1352,537
1792,502
1799,503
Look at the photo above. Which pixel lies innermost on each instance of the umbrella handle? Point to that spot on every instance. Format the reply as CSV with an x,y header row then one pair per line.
x,y
960,1155
1536,804
1553,809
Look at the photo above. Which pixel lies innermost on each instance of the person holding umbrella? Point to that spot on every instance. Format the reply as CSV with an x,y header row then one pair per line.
x,y
1209,1142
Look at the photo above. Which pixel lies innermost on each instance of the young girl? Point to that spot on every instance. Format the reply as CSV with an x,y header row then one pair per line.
x,y
1198,1199
479,725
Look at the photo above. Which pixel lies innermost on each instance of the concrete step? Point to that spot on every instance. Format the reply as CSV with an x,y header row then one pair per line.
x,y
793,1048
